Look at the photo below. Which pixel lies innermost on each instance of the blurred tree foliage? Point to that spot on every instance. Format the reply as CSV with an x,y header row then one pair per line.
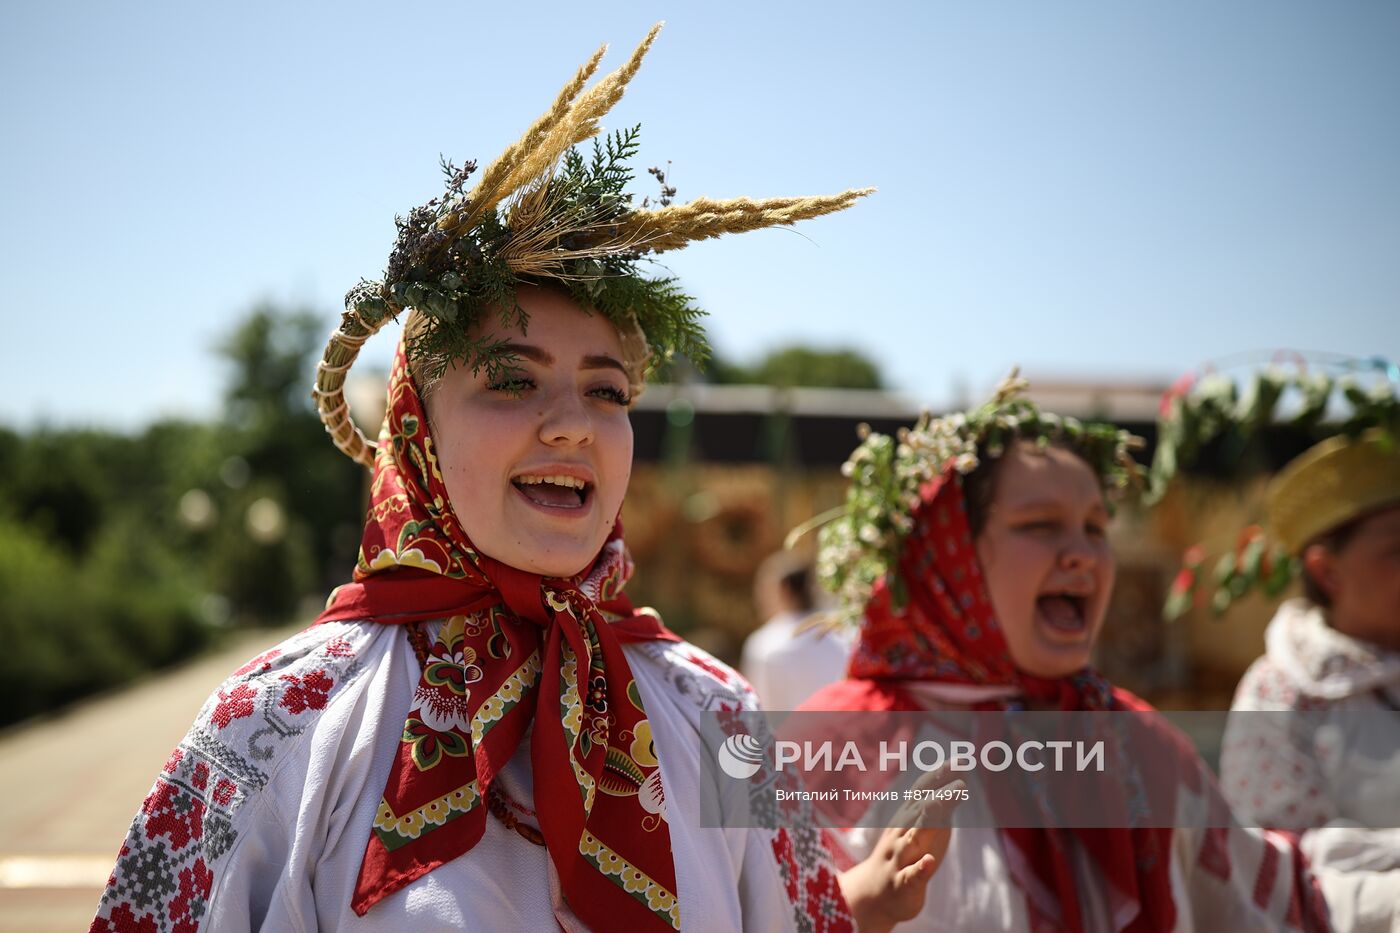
x,y
794,365
121,553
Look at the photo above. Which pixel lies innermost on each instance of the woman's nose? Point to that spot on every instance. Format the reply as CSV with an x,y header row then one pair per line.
x,y
1079,553
566,422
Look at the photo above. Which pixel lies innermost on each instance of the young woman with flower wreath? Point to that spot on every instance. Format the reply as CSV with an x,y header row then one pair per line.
x,y
481,731
973,556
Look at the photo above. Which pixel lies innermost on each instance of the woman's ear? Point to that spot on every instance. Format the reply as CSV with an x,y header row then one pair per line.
x,y
1321,565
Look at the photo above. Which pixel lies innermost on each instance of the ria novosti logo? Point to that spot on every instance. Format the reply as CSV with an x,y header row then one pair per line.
x,y
740,756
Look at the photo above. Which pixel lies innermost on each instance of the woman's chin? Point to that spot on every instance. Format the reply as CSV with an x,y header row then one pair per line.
x,y
1052,671
549,558
551,567
1052,658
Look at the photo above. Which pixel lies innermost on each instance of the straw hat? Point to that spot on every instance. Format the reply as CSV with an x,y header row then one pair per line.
x,y
1332,483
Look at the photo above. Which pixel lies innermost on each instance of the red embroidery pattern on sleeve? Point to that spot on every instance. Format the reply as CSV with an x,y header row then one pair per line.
x,y
186,825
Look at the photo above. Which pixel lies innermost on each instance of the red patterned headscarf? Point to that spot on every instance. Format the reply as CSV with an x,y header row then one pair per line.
x,y
514,649
948,632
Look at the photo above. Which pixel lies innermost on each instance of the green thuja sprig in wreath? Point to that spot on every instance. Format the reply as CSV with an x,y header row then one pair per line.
x,y
547,232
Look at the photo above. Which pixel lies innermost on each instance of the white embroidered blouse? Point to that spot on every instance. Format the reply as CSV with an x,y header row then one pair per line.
x,y
260,818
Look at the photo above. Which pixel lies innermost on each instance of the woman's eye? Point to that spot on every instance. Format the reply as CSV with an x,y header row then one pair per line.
x,y
1040,525
612,394
1095,529
512,385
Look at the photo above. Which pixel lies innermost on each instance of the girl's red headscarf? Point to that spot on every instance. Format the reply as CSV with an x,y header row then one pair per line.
x,y
947,632
514,649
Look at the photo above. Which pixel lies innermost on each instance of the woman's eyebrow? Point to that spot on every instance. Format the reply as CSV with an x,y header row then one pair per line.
x,y
1032,505
536,354
545,358
602,361
1039,506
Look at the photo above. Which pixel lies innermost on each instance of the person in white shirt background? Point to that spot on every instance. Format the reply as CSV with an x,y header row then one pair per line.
x,y
791,655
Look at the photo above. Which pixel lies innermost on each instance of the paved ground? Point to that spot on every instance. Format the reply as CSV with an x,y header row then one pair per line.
x,y
69,785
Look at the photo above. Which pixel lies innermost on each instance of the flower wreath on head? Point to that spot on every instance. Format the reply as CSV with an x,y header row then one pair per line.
x,y
1278,419
861,544
543,211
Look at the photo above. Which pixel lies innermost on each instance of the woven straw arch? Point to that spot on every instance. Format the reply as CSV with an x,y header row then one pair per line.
x,y
356,326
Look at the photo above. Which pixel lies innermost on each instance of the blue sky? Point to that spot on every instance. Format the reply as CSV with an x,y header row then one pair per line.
x,y
1094,190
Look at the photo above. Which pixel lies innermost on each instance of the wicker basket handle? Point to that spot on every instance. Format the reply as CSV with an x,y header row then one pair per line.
x,y
357,325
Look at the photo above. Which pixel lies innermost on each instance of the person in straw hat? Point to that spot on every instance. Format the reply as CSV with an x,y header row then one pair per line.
x,y
481,731
1313,744
973,558
1335,510
1310,748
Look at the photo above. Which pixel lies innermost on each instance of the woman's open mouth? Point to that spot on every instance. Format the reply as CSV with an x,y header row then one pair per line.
x,y
1063,612
554,491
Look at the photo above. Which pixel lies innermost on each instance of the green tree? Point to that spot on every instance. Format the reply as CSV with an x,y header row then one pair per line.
x,y
282,452
270,353
799,365
114,547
